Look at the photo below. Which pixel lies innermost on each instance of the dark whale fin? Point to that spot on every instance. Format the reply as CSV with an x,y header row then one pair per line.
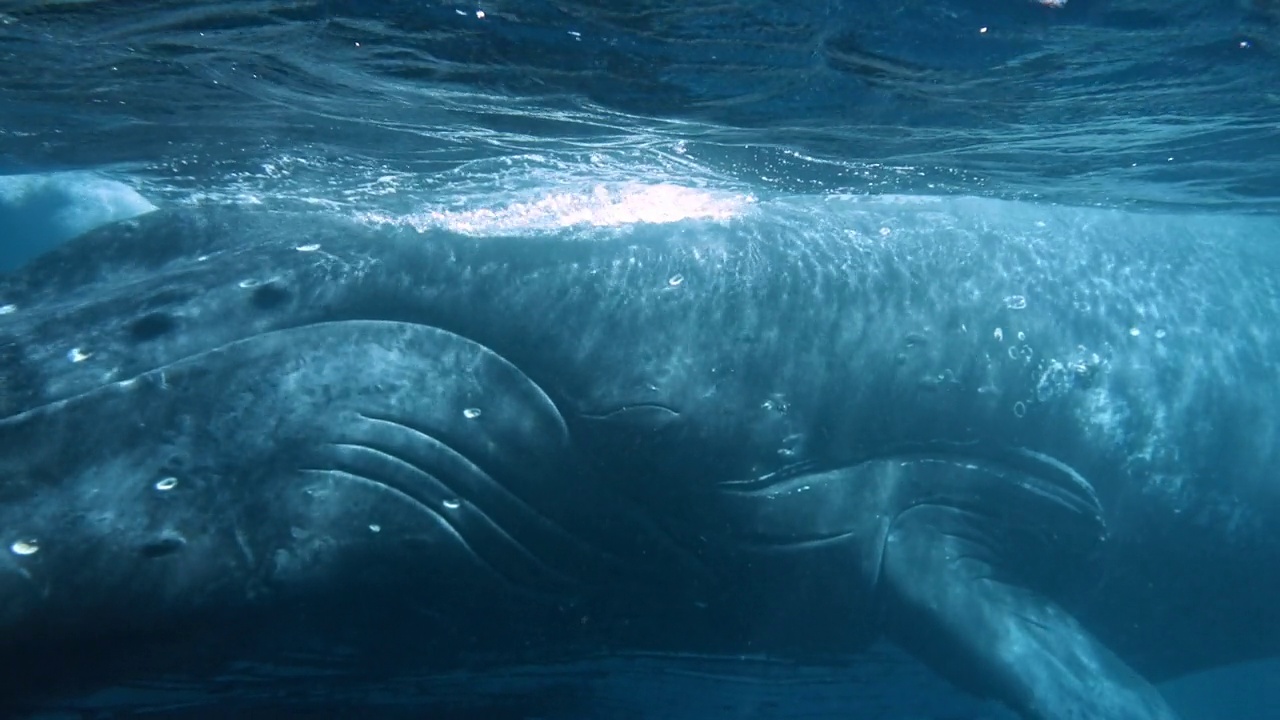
x,y
965,559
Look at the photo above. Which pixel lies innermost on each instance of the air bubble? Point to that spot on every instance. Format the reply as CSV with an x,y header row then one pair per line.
x,y
471,413
1160,334
8,309
375,528
25,547
1020,409
1015,302
999,335
1135,332
76,355
168,483
246,284
675,280
308,248
452,504
1021,336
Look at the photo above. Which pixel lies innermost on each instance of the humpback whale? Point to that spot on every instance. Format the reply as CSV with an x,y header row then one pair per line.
x,y
1039,461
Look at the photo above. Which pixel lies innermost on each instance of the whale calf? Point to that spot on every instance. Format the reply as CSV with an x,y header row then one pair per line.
x,y
1032,447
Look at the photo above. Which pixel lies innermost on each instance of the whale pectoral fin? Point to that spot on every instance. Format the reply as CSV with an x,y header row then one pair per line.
x,y
962,569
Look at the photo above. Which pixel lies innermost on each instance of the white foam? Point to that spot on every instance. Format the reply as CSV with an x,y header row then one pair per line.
x,y
601,206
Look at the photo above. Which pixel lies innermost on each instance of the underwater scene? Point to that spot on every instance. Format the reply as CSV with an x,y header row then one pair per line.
x,y
661,359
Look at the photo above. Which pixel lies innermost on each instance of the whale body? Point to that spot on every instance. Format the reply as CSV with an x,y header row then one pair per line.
x,y
1035,453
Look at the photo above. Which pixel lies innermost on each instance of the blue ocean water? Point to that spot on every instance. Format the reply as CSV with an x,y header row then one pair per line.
x,y
539,116
399,105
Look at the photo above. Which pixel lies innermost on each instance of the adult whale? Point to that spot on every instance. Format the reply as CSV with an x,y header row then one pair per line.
x,y
1040,461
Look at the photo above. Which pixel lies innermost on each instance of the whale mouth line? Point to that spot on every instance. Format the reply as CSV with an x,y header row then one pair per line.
x,y
627,409
438,518
494,492
797,542
465,504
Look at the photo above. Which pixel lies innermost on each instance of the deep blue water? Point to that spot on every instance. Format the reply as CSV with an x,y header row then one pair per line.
x,y
541,115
